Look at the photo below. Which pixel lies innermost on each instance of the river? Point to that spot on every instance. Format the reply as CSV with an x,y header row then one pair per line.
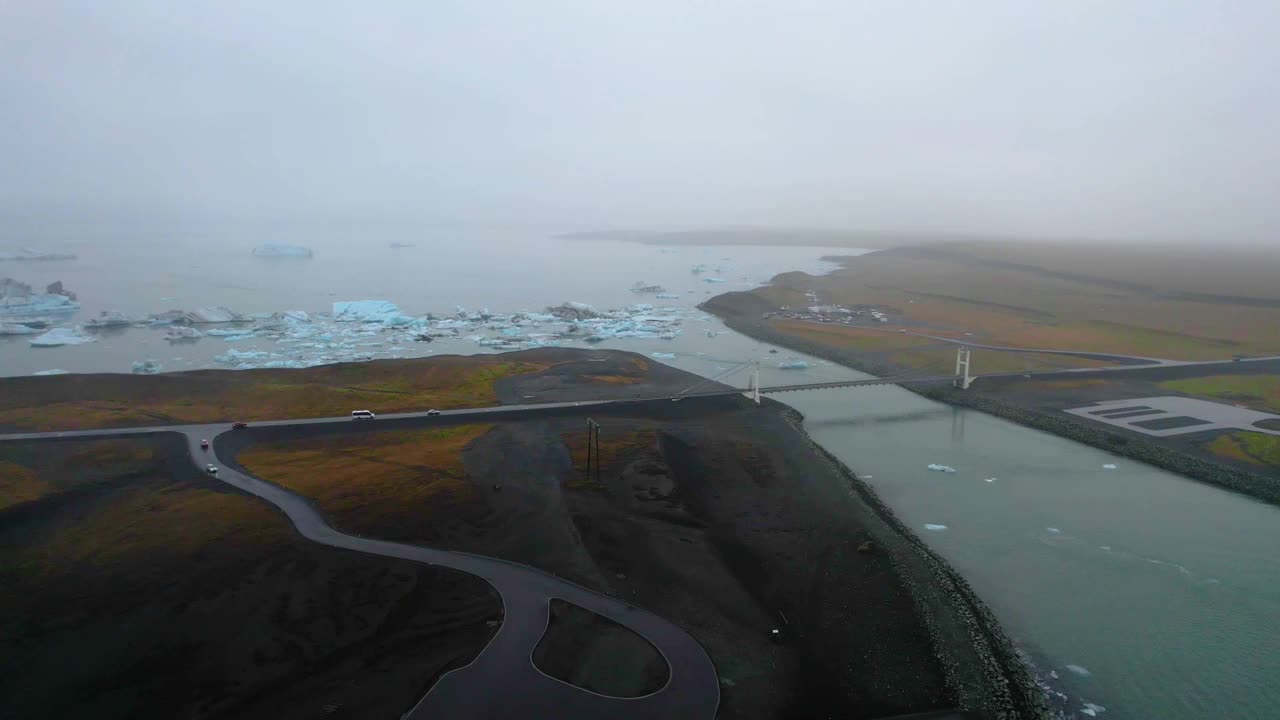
x,y
1130,588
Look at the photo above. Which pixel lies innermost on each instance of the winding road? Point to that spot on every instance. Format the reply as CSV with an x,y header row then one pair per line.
x,y
502,682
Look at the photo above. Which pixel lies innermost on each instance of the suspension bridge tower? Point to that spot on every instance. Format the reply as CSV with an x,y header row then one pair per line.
x,y
963,378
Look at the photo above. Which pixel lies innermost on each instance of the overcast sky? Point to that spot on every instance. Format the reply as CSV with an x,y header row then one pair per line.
x,y
1105,118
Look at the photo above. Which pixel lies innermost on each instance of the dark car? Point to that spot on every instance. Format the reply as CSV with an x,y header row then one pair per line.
x,y
204,444
239,425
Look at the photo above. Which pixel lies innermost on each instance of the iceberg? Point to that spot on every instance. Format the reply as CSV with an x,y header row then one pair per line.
x,y
934,528
29,255
1109,466
1079,670
667,296
182,332
365,311
16,329
941,468
663,355
17,298
792,364
146,367
52,372
237,357
63,336
278,250
110,318
215,314
990,479
573,311
713,280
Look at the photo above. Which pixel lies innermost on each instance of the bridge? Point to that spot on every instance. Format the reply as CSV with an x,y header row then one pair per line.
x,y
962,378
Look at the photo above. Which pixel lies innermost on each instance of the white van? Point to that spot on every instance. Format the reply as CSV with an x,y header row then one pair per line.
x,y
362,415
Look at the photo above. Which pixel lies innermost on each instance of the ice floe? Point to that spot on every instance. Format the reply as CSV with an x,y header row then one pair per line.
x,y
111,318
365,311
146,367
1079,670
17,298
279,250
991,480
63,336
1092,709
17,329
941,468
30,255
713,280
55,371
215,314
793,365
177,333
934,528
663,355
1109,466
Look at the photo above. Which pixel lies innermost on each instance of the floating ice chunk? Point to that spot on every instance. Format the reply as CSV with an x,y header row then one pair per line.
x,y
279,250
1079,670
52,372
990,479
17,298
29,255
1053,674
698,269
182,332
17,329
663,355
713,280
365,311
146,367
667,296
110,318
215,314
1109,466
296,316
1092,710
392,321
793,365
238,357
934,528
941,468
230,332
1053,531
63,336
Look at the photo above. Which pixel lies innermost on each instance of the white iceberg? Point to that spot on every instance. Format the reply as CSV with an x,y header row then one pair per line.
x,y
713,280
17,329
63,336
990,479
29,255
663,355
215,314
1109,466
1079,670
941,468
110,318
146,367
182,332
792,364
934,528
237,357
1092,709
365,311
667,296
52,372
1053,531
278,250
18,298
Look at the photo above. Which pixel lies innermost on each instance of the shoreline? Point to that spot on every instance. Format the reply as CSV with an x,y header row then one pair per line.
x,y
1020,694
1160,456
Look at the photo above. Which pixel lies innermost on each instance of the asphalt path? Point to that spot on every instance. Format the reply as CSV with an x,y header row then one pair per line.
x,y
502,682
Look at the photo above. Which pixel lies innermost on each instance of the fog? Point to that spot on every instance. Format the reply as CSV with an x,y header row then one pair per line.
x,y
1135,119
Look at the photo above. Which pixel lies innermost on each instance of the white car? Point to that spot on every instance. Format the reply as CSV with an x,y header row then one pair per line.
x,y
433,412
211,469
362,415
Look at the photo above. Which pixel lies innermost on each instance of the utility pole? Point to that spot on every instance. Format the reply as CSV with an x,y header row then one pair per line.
x,y
963,380
755,383
593,448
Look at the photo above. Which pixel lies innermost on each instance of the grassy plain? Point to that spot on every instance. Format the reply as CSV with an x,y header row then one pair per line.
x,y
1178,303
91,401
1250,447
137,587
399,483
1261,392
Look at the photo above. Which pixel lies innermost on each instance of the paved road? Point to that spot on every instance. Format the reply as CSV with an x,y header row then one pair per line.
x,y
502,681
